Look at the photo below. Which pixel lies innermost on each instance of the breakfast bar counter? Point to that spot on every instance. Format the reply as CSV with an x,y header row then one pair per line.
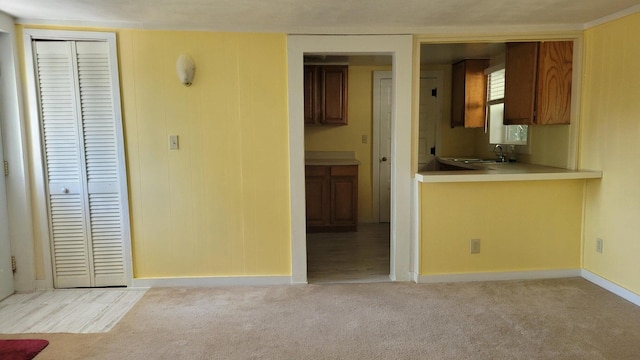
x,y
476,170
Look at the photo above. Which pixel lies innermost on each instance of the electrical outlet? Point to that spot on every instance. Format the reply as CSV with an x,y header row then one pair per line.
x,y
474,246
364,139
599,245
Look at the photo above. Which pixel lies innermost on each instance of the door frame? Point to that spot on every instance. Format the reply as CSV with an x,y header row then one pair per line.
x,y
16,153
5,239
375,166
400,47
37,153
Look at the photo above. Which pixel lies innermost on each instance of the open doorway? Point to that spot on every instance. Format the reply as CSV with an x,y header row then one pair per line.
x,y
348,238
399,48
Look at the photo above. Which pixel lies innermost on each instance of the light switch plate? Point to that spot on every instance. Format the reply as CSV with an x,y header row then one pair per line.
x,y
173,142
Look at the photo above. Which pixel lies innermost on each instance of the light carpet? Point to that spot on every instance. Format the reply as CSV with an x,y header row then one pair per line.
x,y
542,319
81,311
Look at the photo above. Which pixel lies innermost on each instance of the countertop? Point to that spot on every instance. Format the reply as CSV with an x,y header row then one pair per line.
x,y
502,172
328,158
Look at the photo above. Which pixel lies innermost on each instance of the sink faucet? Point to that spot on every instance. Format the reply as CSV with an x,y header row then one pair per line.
x,y
499,153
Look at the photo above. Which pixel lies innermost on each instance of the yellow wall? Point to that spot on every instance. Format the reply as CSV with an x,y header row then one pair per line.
x,y
349,138
522,225
201,210
610,141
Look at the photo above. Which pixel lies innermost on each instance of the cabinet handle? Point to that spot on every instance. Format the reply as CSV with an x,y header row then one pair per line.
x,y
65,190
383,159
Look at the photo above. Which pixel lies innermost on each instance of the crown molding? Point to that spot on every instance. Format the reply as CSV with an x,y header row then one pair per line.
x,y
611,17
420,31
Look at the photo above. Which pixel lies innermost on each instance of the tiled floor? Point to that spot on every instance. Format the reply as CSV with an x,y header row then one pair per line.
x,y
361,256
68,310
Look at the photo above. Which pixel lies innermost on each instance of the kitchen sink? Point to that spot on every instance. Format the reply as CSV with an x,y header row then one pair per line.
x,y
475,161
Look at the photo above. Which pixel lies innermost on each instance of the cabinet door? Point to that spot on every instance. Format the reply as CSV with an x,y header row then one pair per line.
x,y
310,95
469,96
344,195
333,94
555,71
317,195
520,83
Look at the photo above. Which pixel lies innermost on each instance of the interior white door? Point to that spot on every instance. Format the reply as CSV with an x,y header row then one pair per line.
x,y
83,169
384,141
6,273
429,114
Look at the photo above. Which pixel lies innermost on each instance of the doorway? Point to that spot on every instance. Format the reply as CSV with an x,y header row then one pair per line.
x,y
400,48
335,252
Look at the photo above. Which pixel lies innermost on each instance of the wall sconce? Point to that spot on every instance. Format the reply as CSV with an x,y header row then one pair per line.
x,y
186,69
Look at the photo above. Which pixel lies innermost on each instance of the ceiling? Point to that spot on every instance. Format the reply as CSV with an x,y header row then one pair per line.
x,y
319,16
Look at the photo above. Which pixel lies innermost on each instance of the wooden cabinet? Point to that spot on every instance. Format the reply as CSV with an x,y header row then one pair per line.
x,y
331,198
469,93
325,94
317,195
538,83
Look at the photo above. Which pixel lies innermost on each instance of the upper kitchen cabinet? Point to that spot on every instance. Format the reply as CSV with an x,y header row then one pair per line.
x,y
325,94
538,83
469,93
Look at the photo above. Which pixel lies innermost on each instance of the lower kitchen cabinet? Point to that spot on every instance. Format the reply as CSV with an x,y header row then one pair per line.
x,y
331,197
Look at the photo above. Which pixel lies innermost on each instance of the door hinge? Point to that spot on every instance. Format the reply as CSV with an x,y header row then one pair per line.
x,y
6,168
434,92
14,267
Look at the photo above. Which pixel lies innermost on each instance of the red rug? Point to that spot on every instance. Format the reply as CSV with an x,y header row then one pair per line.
x,y
24,349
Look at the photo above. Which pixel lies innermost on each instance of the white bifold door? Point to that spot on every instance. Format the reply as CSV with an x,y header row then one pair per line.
x,y
85,173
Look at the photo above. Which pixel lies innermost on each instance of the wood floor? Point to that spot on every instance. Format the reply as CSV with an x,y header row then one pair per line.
x,y
81,311
361,256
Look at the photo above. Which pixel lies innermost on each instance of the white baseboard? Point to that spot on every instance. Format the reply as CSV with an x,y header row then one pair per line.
x,y
495,276
614,288
211,281
43,285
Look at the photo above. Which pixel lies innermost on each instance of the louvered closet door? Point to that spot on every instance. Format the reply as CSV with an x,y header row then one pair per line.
x,y
80,142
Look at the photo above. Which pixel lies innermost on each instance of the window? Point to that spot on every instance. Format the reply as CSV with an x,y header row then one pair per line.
x,y
499,133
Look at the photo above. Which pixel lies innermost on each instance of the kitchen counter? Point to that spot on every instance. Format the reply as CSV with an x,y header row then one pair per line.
x,y
476,171
330,158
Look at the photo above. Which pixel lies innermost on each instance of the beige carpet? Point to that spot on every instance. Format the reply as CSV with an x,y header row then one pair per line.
x,y
550,319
